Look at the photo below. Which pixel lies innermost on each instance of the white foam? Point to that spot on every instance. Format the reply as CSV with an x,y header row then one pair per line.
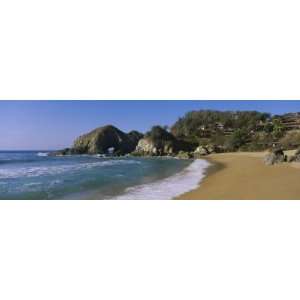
x,y
54,170
43,154
168,188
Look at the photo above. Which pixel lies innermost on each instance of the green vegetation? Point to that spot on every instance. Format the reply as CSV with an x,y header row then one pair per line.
x,y
291,139
223,130
215,131
234,130
278,128
239,138
157,133
199,123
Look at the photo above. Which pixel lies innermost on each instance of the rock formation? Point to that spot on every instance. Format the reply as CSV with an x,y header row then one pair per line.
x,y
147,146
295,157
201,150
159,141
103,140
184,155
135,136
274,156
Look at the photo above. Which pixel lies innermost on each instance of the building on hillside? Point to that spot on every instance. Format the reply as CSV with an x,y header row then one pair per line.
x,y
219,126
291,121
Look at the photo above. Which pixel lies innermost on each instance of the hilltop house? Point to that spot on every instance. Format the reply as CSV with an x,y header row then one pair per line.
x,y
291,121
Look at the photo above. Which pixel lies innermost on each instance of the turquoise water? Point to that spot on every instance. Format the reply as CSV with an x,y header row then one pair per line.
x,y
35,175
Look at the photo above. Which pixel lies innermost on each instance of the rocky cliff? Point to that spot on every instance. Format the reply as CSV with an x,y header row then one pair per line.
x,y
148,146
101,139
135,136
159,141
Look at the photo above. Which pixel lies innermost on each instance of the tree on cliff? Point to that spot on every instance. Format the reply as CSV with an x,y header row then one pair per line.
x,y
157,133
238,139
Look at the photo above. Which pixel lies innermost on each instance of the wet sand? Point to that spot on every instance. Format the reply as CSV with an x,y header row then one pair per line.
x,y
245,176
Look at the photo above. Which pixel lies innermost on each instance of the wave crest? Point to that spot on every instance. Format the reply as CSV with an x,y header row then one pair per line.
x,y
42,154
54,170
168,188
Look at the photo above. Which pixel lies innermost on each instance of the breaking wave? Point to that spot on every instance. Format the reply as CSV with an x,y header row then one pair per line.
x,y
43,154
170,187
54,170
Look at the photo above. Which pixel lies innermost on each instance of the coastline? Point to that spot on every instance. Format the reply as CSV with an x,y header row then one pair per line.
x,y
169,187
243,176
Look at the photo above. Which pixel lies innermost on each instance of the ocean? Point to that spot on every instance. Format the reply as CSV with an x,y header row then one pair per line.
x,y
36,175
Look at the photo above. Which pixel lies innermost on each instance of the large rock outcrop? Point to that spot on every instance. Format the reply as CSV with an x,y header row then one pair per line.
x,y
135,136
148,146
101,139
295,157
202,150
159,141
274,156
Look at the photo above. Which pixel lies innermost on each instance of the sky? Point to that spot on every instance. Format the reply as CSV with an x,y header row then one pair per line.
x,y
50,125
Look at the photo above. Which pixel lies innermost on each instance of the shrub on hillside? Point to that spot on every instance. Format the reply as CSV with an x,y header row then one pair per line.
x,y
157,133
259,141
202,122
238,139
291,140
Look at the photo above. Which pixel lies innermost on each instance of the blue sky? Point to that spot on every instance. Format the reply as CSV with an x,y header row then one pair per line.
x,y
42,125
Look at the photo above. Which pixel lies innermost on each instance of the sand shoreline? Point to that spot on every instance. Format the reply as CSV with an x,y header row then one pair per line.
x,y
243,175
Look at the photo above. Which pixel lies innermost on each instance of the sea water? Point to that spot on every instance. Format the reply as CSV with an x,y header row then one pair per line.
x,y
36,175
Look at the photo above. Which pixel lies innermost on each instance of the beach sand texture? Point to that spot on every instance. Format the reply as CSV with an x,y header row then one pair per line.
x,y
245,176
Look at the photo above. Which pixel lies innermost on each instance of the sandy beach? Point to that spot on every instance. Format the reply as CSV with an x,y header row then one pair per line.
x,y
245,176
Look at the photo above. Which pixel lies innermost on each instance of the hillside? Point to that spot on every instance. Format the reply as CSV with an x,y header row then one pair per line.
x,y
236,130
203,131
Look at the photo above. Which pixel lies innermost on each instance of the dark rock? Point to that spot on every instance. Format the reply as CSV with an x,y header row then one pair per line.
x,y
66,151
103,138
292,158
202,150
274,156
135,136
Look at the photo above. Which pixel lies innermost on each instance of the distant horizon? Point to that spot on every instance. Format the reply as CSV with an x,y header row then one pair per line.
x,y
47,125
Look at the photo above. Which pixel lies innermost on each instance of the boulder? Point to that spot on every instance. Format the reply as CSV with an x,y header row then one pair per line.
x,y
201,150
274,156
184,155
146,146
159,142
295,157
211,148
208,149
